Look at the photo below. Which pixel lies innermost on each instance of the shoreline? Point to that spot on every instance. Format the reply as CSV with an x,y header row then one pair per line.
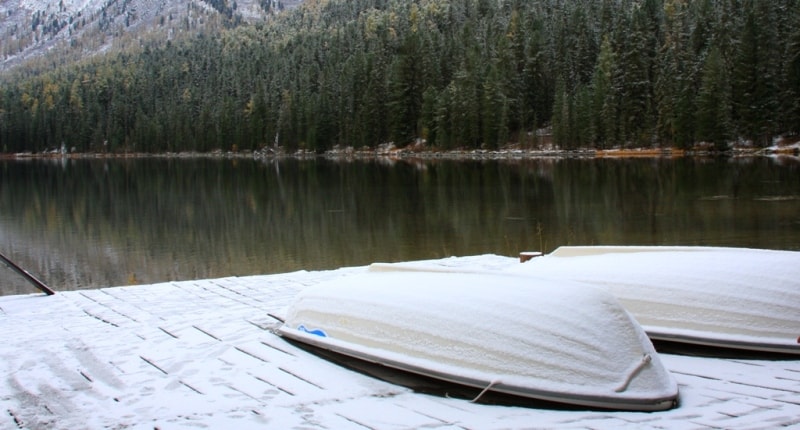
x,y
392,153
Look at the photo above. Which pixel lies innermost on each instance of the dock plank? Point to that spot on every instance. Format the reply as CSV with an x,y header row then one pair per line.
x,y
165,355
387,415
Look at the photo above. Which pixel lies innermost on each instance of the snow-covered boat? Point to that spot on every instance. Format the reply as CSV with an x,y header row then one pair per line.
x,y
555,341
724,297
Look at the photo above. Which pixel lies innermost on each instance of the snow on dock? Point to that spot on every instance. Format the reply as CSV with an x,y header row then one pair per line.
x,y
201,354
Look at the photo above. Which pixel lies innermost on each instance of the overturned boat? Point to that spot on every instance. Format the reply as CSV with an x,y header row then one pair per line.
x,y
746,299
548,340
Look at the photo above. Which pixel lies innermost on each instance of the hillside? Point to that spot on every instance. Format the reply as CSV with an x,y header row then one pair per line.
x,y
65,30
449,74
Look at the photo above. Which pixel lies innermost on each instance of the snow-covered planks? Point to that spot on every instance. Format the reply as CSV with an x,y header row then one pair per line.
x,y
63,369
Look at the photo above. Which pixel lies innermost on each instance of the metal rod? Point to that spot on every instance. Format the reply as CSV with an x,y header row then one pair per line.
x,y
25,274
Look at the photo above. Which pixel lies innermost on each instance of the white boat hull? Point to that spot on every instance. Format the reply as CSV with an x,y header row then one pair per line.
x,y
540,339
724,297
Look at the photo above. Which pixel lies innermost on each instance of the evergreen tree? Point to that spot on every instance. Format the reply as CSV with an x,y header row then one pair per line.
x,y
638,47
561,117
791,93
605,104
405,82
674,86
459,74
713,101
754,86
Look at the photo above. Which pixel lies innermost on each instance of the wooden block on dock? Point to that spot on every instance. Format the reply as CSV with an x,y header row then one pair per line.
x,y
527,255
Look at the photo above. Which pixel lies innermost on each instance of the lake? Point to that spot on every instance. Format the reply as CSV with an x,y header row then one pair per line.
x,y
90,223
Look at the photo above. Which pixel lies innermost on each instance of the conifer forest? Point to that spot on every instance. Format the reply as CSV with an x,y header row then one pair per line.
x,y
451,73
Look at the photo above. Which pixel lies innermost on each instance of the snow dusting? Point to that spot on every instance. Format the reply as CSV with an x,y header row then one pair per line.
x,y
203,354
714,295
527,335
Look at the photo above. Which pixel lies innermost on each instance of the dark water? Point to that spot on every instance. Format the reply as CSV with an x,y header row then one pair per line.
x,y
79,224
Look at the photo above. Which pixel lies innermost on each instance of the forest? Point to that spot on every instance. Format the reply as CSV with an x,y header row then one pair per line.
x,y
451,73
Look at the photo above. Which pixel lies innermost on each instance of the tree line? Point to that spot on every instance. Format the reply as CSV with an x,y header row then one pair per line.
x,y
466,74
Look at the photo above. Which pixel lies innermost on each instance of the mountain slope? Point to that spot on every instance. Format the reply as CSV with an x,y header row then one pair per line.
x,y
454,74
71,29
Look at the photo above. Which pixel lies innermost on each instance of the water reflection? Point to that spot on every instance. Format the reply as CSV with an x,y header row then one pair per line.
x,y
92,223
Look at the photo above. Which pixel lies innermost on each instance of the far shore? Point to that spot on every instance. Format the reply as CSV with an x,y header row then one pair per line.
x,y
389,151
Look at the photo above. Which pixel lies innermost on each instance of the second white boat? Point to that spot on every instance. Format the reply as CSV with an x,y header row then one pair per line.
x,y
747,299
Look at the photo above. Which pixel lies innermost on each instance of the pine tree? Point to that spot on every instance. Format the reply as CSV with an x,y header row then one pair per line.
x,y
791,93
494,110
713,101
755,94
605,98
675,80
561,116
405,92
638,46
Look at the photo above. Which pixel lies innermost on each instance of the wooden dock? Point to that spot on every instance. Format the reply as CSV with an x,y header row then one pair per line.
x,y
201,354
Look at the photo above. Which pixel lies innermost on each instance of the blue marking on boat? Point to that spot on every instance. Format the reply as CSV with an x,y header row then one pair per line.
x,y
316,331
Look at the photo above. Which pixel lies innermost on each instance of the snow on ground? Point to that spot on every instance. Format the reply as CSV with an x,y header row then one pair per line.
x,y
201,354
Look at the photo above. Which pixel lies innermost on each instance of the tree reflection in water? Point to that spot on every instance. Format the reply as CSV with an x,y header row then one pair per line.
x,y
93,223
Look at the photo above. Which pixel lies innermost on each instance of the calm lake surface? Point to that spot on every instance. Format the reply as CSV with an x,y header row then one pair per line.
x,y
93,223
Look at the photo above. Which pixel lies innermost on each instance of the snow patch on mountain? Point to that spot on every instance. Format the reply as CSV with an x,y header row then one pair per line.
x,y
30,29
